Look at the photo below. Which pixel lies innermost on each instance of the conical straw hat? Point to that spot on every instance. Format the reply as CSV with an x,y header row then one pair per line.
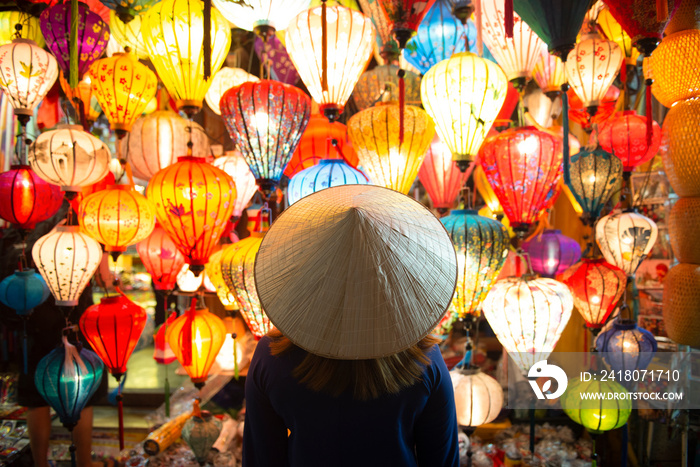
x,y
356,272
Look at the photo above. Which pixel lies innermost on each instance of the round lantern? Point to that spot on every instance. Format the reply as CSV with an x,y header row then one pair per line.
x,y
596,414
687,16
9,20
674,66
117,217
625,239
327,173
67,258
522,165
173,31
193,201
549,73
596,287
92,36
266,120
123,87
262,16
626,346
625,136
225,79
390,162
552,252
463,95
23,291
196,338
440,176
381,84
128,34
69,157
528,315
478,397
127,11
161,258
594,177
482,246
680,149
29,199
643,21
236,167
27,73
349,37
200,432
81,98
158,139
579,113
684,230
681,304
113,327
404,17
213,272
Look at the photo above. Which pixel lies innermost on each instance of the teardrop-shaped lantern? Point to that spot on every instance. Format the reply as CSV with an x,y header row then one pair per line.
x,y
128,10
440,176
236,167
642,21
549,73
225,79
161,258
200,433
463,95
625,136
81,98
23,291
552,253
405,16
381,84
325,174
193,201
478,397
625,239
30,27
348,45
594,178
29,199
627,347
583,405
579,113
128,34
262,16
213,272
390,162
67,258
386,50
542,108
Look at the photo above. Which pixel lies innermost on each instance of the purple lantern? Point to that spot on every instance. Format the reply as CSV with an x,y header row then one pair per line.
x,y
274,52
552,252
93,35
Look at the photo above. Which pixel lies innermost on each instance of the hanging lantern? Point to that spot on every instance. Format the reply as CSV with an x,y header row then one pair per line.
x,y
596,287
625,239
549,73
405,16
193,201
187,282
66,258
543,109
528,315
625,136
266,120
386,50
522,166
684,230
27,73
69,157
381,84
441,177
162,353
614,32
231,354
157,140
478,397
680,148
29,199
330,78
23,291
213,272
463,95
92,36
595,413
128,34
173,31
262,16
236,167
161,258
9,20
595,175
579,113
389,161
200,432
113,327
128,11
123,87
327,173
274,53
223,80
482,246
627,347
644,21
552,253
681,304
487,194
674,66
86,102
196,338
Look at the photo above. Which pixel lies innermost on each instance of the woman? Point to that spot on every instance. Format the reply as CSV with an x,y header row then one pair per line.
x,y
354,278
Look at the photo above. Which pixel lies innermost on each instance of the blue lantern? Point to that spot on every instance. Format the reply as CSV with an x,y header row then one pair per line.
x,y
325,174
594,177
552,252
23,290
626,346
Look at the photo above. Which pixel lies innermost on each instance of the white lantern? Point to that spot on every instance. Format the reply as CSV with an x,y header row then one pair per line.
x,y
187,282
542,108
259,15
234,164
69,157
67,259
223,80
325,174
625,239
591,67
478,397
225,357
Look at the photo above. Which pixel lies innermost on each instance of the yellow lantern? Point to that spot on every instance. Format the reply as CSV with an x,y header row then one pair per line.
x,y
173,31
349,38
478,396
391,163
549,73
83,94
128,34
223,80
614,32
680,147
30,27
487,194
463,95
213,270
674,67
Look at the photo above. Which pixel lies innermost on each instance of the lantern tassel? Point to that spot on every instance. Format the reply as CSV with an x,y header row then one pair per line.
x,y
661,10
207,39
186,339
509,20
479,30
324,48
402,103
650,120
73,78
565,128
120,413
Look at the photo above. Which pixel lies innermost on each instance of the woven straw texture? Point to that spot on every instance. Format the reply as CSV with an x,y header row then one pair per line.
x,y
680,147
674,67
356,272
681,305
684,229
687,16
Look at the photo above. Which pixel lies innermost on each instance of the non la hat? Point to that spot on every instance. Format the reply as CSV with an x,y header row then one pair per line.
x,y
356,272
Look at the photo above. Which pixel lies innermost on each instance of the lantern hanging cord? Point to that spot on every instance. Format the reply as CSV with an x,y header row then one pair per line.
x,y
207,39
565,128
324,47
402,103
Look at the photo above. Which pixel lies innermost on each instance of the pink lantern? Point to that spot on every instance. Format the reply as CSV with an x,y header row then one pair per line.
x,y
441,176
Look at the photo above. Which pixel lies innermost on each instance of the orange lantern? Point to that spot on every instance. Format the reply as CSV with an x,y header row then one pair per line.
x,y
441,176
81,98
213,272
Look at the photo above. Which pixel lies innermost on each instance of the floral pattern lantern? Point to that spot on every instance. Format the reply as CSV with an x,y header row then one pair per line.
x,y
327,173
626,346
625,239
549,73
29,199
614,32
223,80
478,397
594,414
625,136
440,176
161,258
236,167
262,16
594,177
552,252
128,34
381,84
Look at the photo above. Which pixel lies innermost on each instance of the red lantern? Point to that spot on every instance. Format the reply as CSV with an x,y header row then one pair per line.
x,y
28,199
644,21
512,99
162,353
579,114
161,258
405,16
441,176
625,135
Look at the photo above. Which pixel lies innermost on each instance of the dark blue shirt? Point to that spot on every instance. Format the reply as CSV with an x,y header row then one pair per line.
x,y
417,427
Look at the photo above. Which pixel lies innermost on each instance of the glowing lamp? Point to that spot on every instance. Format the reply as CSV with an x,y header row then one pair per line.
x,y
594,178
381,84
349,38
162,353
463,95
161,258
595,414
30,27
229,356
23,291
625,239
405,16
641,20
626,346
327,173
223,80
236,167
390,162
528,315
29,199
213,272
552,252
173,31
625,136
488,196
549,73
681,304
187,282
478,397
128,34
128,11
262,16
81,98
542,108
579,113
673,67
596,287
614,32
441,176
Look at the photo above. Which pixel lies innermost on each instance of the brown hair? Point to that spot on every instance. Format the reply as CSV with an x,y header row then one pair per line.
x,y
367,379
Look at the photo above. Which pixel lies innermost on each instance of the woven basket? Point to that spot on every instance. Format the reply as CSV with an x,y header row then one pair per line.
x,y
681,306
680,147
674,66
684,229
687,16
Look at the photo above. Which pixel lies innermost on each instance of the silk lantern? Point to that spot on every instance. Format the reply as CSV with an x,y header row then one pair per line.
x,y
161,258
128,34
262,16
551,252
193,201
597,287
325,174
69,157
522,165
549,73
528,315
223,80
236,167
680,148
200,432
579,113
29,199
375,134
626,346
330,47
681,304
613,31
213,272
82,100
23,291
482,246
128,10
542,109
594,177
440,176
583,405
644,21
265,120
9,20
405,16
478,397
187,282
162,353
382,84
173,31
481,184
674,66
625,239
625,136
463,95
67,259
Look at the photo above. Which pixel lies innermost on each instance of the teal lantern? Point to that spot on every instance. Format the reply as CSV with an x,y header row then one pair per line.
x,y
200,433
23,291
325,174
594,177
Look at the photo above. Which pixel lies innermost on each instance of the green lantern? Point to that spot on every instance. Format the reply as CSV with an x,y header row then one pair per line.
x,y
596,415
